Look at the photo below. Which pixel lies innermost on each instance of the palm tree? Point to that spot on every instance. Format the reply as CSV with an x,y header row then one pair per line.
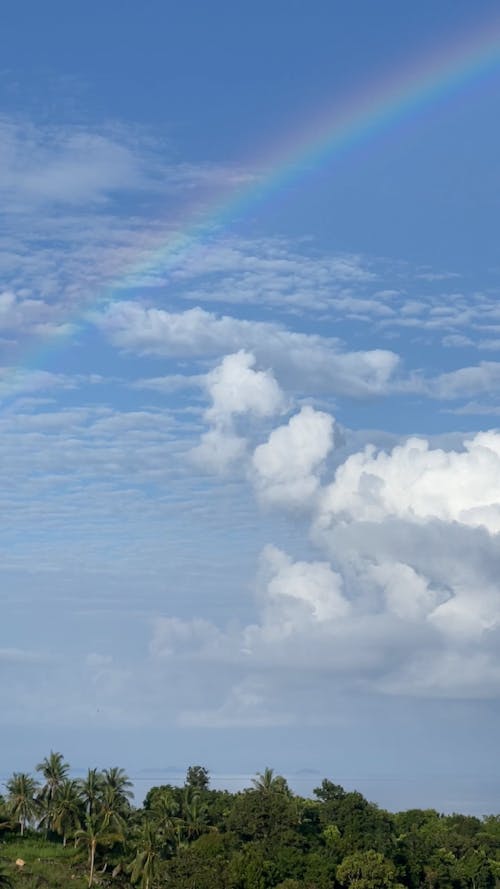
x,y
119,781
45,813
264,780
147,856
91,789
21,800
93,835
268,782
195,815
111,808
163,814
164,809
67,808
5,816
55,771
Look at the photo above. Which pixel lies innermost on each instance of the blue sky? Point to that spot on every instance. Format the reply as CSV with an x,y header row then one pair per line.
x,y
250,489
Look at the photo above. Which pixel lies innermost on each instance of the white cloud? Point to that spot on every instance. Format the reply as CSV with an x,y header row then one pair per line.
x,y
247,705
15,381
219,448
373,625
85,165
286,467
407,594
406,598
303,362
415,482
465,382
21,313
457,341
301,591
171,383
69,165
235,389
476,408
172,635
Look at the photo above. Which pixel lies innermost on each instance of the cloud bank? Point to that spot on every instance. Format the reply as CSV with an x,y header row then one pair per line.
x,y
404,597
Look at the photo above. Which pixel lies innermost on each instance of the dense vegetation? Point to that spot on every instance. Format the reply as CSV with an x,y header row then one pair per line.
x,y
59,832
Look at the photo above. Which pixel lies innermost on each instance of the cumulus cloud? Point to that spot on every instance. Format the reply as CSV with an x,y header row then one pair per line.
x,y
302,590
286,467
417,482
406,597
383,627
218,449
235,389
422,525
298,603
407,594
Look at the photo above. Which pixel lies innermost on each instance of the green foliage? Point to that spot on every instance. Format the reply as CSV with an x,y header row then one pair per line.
x,y
91,789
201,865
5,880
362,824
94,836
66,811
54,771
47,864
146,863
367,870
268,782
175,794
329,792
258,815
290,884
22,804
474,870
117,786
265,837
197,778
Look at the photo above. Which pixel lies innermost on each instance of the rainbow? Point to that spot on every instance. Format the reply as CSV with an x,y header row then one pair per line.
x,y
403,92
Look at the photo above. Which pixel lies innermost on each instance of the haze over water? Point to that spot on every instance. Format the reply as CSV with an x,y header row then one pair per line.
x,y
468,795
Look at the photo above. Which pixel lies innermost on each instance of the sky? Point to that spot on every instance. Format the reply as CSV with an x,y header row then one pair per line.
x,y
249,379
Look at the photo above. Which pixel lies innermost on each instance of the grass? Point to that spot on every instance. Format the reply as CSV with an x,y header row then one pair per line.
x,y
33,848
47,865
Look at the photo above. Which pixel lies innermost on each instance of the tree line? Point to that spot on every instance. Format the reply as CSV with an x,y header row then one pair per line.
x,y
264,837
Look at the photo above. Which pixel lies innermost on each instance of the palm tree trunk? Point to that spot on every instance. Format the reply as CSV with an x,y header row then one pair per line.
x,y
21,822
92,860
